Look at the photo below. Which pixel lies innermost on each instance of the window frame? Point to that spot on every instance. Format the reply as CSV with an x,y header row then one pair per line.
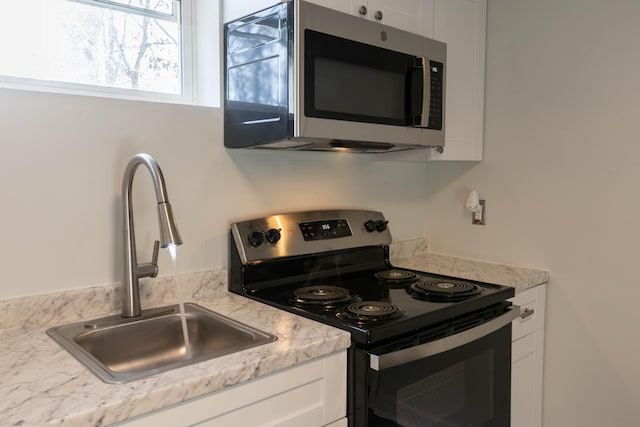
x,y
114,5
200,39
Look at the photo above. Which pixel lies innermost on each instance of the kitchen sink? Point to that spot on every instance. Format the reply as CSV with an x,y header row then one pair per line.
x,y
119,349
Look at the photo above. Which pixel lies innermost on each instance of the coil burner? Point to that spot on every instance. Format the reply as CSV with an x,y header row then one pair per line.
x,y
443,290
321,296
395,278
369,311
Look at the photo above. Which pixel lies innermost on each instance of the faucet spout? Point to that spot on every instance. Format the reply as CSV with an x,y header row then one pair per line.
x,y
169,234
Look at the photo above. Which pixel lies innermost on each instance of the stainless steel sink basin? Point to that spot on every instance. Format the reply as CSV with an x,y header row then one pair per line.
x,y
119,349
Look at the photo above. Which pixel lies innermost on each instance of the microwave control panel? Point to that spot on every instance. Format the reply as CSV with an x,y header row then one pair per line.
x,y
437,95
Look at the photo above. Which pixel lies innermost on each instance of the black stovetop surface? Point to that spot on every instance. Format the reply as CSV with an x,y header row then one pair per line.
x,y
417,314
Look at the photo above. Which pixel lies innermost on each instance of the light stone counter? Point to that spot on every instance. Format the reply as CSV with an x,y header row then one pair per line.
x,y
414,254
41,384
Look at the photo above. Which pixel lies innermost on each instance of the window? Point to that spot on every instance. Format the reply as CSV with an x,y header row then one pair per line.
x,y
123,48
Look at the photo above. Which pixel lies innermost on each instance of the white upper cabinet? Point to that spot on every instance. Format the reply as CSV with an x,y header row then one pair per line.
x,y
403,14
339,5
462,25
427,18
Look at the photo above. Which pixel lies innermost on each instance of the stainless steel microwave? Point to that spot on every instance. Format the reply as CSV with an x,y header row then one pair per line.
x,y
304,77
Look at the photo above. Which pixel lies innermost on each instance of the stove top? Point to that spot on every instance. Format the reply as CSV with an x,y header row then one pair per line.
x,y
333,267
374,310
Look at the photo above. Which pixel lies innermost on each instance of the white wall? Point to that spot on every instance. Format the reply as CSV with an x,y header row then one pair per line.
x,y
61,164
561,178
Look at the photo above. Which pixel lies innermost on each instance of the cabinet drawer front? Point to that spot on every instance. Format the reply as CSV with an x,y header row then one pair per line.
x,y
531,318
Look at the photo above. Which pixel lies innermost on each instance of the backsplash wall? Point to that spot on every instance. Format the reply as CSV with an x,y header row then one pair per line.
x,y
61,164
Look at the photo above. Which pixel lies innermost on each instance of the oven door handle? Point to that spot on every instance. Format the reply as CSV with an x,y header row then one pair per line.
x,y
407,355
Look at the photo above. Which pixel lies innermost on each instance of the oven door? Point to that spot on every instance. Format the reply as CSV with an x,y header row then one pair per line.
x,y
460,380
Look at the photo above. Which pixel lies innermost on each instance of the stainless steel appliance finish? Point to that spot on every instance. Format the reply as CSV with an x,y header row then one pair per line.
x,y
304,77
168,232
118,349
283,236
422,351
427,350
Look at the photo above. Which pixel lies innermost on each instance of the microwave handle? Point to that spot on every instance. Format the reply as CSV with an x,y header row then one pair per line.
x,y
407,355
420,102
426,93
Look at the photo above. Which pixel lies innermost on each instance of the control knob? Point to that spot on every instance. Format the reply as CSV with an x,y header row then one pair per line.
x,y
370,226
381,225
273,235
256,238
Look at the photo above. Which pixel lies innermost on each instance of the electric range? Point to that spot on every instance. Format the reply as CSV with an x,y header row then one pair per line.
x,y
333,266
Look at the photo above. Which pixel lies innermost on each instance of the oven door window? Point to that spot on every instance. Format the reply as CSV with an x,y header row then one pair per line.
x,y
467,386
348,80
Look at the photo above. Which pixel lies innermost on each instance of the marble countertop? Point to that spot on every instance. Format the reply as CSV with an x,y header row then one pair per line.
x,y
414,254
41,384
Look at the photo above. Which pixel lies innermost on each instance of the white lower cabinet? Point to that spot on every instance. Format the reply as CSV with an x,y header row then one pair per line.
x,y
527,358
312,394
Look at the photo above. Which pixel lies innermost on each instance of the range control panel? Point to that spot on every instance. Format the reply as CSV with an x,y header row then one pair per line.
x,y
329,229
308,232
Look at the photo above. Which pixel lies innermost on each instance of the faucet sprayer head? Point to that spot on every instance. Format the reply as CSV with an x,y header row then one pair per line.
x,y
169,233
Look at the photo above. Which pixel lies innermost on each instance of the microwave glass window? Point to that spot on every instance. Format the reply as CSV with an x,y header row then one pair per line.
x,y
242,38
353,81
257,48
354,89
242,87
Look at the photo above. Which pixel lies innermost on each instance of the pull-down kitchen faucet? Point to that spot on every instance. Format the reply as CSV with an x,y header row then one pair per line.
x,y
169,234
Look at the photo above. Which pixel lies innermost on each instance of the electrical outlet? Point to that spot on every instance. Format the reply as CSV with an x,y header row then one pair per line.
x,y
482,220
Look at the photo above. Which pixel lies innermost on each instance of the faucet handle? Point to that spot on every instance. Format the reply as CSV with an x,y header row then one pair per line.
x,y
149,269
154,256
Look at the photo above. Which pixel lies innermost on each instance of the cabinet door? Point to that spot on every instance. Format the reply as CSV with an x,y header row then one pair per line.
x,y
526,381
311,394
462,25
362,8
339,5
427,18
403,14
532,305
